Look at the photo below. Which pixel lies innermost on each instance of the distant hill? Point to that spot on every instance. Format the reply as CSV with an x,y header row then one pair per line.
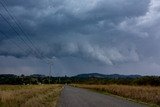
x,y
97,75
8,75
37,75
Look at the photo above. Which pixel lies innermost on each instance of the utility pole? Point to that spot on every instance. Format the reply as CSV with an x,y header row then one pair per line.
x,y
50,73
50,69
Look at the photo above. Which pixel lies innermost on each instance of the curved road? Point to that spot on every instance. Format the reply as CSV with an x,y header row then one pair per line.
x,y
76,97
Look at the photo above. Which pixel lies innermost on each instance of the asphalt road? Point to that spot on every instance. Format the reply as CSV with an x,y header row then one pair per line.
x,y
76,97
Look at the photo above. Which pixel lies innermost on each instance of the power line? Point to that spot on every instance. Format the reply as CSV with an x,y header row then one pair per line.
x,y
4,35
32,51
32,47
21,29
23,40
19,26
15,30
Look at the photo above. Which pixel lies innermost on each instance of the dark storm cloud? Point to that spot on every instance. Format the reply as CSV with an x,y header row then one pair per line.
x,y
102,33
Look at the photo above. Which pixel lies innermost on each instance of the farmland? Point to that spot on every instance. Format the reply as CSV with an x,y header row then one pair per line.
x,y
48,95
29,95
140,89
147,94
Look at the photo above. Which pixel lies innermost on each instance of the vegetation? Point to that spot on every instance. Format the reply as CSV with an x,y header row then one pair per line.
x,y
29,95
21,92
145,80
40,79
148,94
32,79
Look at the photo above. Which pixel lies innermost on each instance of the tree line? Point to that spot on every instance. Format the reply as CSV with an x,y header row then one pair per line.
x,y
41,79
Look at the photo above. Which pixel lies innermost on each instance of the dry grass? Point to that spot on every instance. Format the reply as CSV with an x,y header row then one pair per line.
x,y
146,94
29,96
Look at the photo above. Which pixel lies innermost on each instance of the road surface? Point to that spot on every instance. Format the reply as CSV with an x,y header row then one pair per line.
x,y
76,97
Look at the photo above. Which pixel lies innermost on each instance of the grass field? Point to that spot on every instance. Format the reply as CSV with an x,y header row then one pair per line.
x,y
146,94
29,95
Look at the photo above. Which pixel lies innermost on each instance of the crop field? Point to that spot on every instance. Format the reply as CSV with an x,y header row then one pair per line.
x,y
147,94
29,95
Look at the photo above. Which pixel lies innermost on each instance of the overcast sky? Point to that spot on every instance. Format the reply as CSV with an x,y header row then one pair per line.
x,y
84,36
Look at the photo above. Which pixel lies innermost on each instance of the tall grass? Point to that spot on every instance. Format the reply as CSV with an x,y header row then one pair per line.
x,y
146,94
29,96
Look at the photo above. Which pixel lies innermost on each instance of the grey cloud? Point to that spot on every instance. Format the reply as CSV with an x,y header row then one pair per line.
x,y
105,33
